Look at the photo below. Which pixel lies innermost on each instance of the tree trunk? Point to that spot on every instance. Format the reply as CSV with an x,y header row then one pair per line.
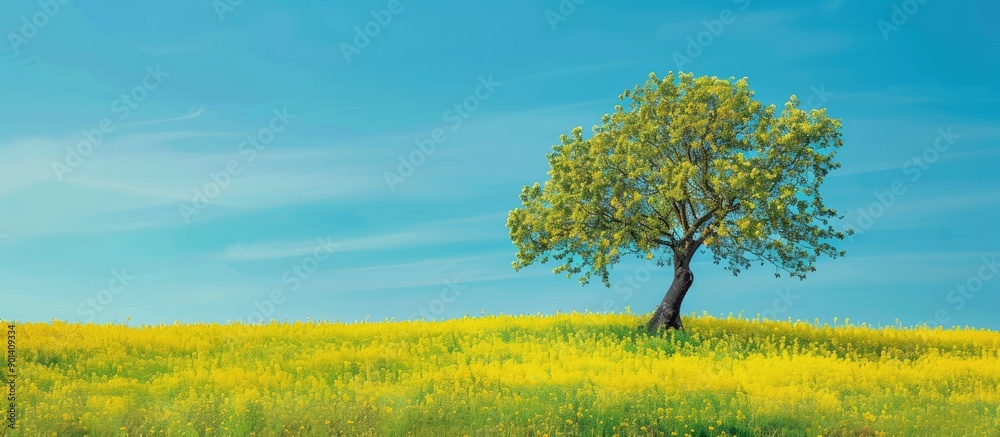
x,y
668,313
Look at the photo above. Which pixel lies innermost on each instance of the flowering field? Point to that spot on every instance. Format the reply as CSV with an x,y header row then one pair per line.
x,y
560,375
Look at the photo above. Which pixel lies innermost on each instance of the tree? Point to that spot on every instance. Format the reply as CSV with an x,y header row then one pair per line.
x,y
693,163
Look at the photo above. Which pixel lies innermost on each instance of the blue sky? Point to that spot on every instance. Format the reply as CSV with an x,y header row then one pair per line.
x,y
198,161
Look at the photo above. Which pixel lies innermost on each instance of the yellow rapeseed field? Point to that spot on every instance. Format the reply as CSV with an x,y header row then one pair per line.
x,y
570,374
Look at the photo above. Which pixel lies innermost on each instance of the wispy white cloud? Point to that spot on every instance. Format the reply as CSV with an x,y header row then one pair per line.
x,y
169,49
746,26
877,167
425,234
942,203
429,272
141,179
128,188
193,113
273,250
575,70
866,168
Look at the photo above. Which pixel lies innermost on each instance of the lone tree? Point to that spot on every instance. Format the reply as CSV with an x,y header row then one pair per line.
x,y
693,163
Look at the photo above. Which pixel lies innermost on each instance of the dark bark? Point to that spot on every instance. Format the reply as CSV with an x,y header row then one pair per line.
x,y
668,313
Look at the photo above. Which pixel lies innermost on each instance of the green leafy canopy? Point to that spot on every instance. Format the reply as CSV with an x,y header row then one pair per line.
x,y
691,163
